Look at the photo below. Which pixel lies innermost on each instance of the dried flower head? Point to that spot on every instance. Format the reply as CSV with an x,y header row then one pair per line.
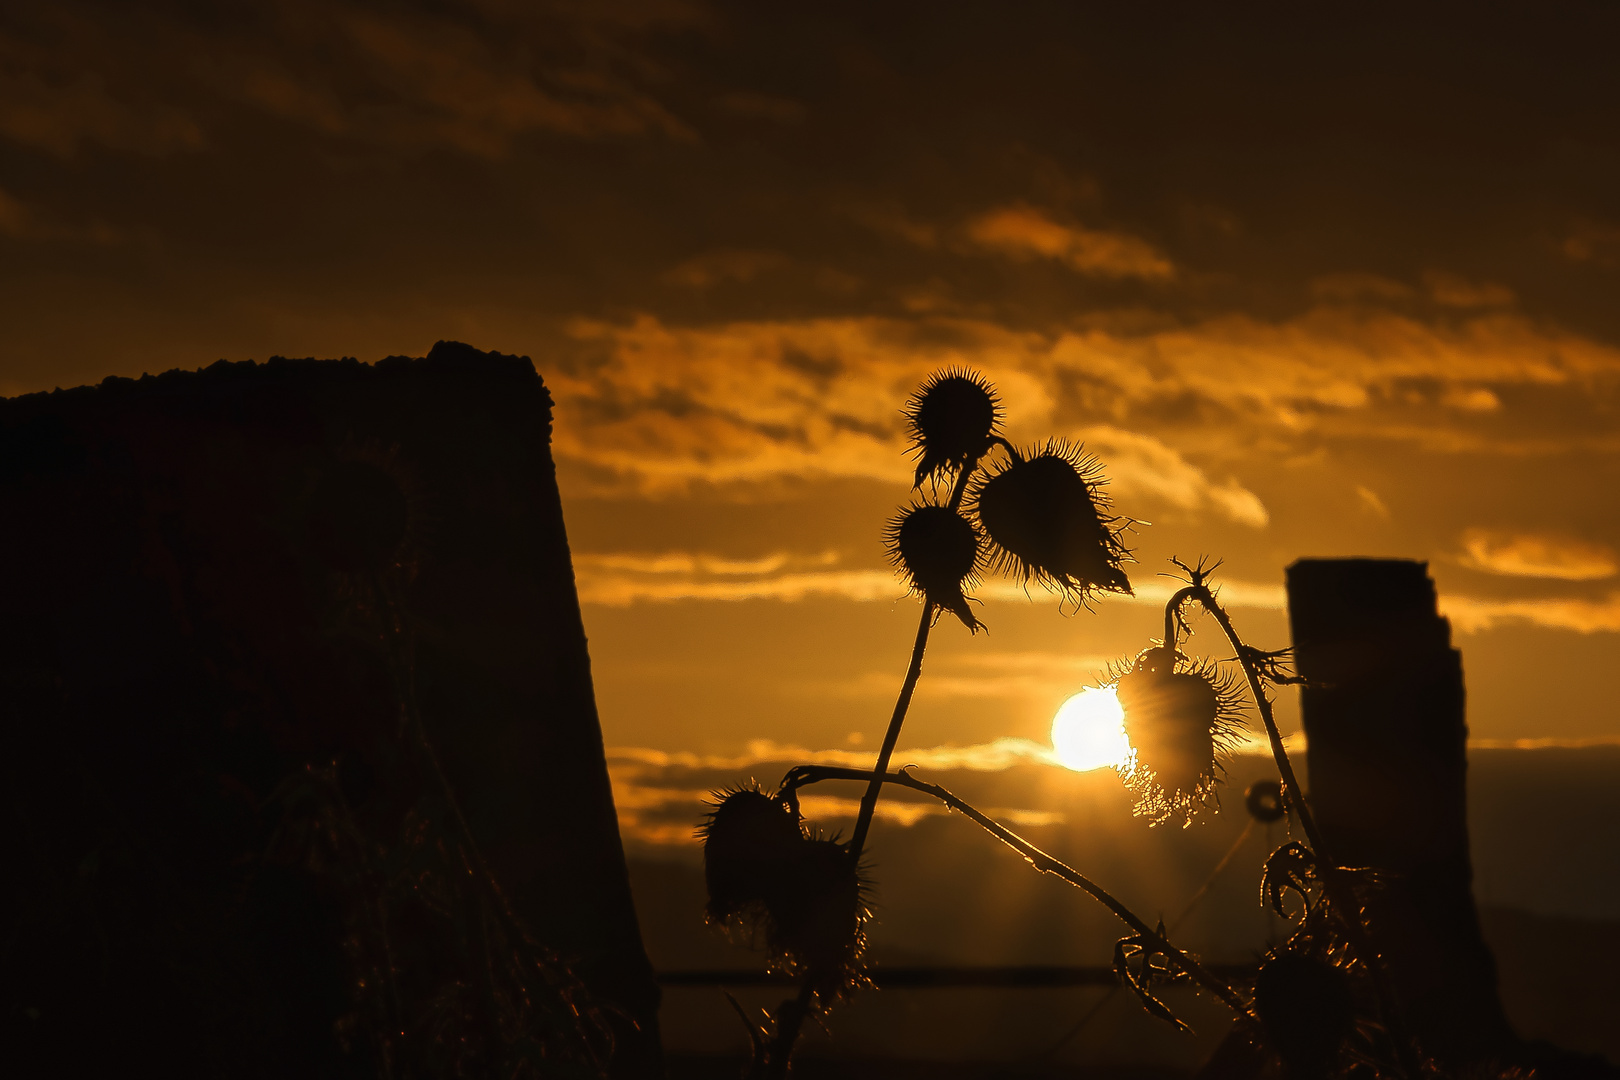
x,y
939,552
817,925
750,844
1179,715
1045,515
953,417
804,895
1307,1008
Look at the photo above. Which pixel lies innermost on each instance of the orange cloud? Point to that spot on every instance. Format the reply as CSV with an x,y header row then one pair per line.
x,y
680,562
994,756
660,406
1582,615
659,794
622,579
997,675
622,591
1544,743
1370,500
1332,359
651,787
1024,232
1141,464
1536,555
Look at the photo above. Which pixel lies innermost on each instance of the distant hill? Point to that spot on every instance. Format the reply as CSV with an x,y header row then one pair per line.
x,y
1558,979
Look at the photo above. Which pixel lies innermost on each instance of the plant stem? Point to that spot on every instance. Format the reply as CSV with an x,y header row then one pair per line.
x,y
789,1020
863,821
1341,897
1293,794
1040,860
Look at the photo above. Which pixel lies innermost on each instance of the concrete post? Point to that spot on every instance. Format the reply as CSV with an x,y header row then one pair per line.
x,y
1386,755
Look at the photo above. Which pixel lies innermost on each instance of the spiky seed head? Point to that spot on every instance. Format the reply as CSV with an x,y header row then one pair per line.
x,y
817,924
1264,801
1170,721
938,550
750,843
952,418
1178,716
1307,1008
1045,515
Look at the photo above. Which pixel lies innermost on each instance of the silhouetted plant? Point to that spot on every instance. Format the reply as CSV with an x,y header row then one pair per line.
x,y
954,418
1180,717
938,550
1307,1009
1040,517
749,842
771,879
1046,515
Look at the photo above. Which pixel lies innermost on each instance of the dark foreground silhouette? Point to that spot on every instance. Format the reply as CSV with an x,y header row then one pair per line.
x,y
302,768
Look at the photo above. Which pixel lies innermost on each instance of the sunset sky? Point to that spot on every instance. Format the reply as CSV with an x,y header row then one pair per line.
x,y
1309,281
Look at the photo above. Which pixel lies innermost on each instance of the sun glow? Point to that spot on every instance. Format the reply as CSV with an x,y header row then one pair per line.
x,y
1088,731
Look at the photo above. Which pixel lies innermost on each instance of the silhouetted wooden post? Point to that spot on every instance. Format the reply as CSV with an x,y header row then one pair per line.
x,y
298,744
1386,738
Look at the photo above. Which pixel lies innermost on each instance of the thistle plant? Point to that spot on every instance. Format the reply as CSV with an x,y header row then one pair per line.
x,y
1044,510
1041,516
1181,715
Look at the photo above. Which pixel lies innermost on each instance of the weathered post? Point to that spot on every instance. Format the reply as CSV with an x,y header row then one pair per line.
x,y
301,761
1386,752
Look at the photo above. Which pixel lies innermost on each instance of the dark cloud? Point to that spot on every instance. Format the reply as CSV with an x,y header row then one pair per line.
x,y
164,78
1308,281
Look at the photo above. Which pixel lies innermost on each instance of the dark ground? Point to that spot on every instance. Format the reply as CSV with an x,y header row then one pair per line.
x,y
698,1067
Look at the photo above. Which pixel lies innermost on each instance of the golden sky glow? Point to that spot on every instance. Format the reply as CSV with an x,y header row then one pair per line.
x,y
1305,288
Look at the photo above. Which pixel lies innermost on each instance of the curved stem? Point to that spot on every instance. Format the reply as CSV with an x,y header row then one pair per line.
x,y
1040,860
1172,615
781,1048
1012,451
1293,794
863,821
1341,897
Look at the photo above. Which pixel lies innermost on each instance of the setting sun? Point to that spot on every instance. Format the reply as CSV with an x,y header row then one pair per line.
x,y
1088,731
